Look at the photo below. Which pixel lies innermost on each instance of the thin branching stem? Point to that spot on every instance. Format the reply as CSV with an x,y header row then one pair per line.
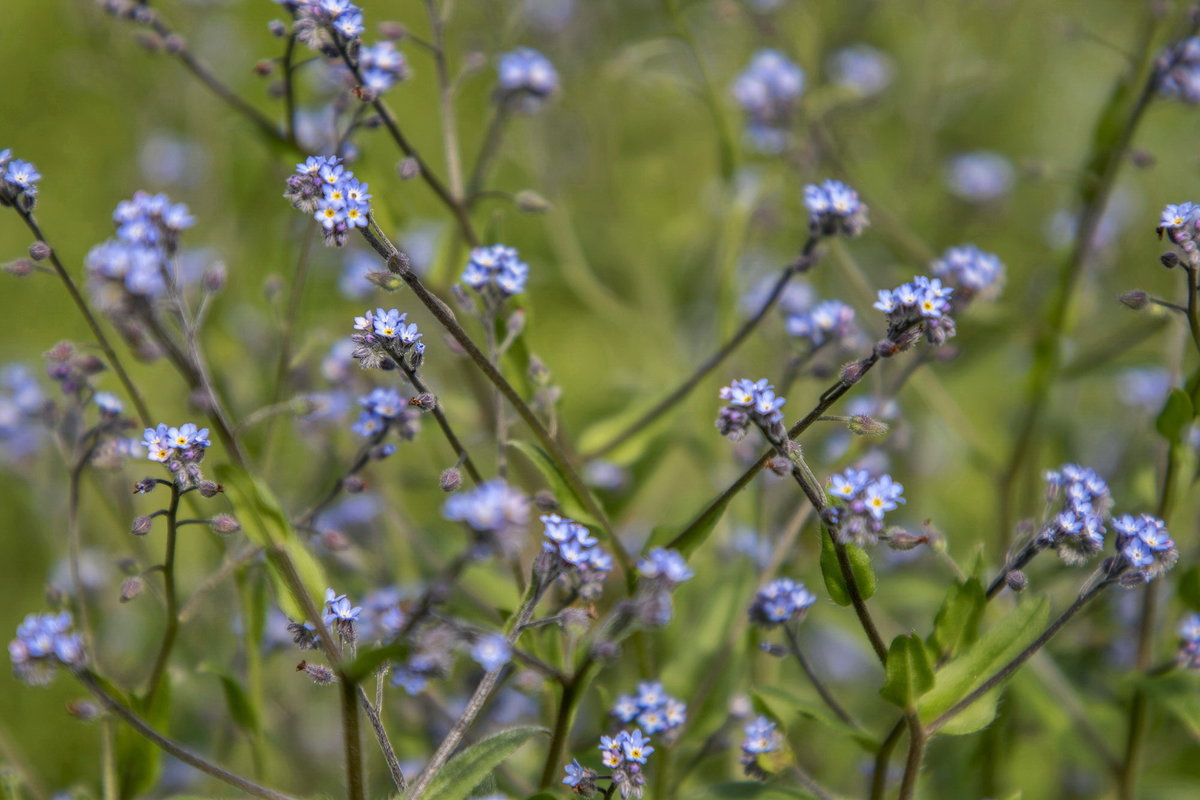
x,y
818,684
173,748
171,599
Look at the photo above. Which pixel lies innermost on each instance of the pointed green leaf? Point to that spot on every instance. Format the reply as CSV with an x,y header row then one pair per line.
x,y
266,526
831,571
957,622
782,703
243,712
699,529
463,773
909,674
572,505
1176,416
995,648
1189,587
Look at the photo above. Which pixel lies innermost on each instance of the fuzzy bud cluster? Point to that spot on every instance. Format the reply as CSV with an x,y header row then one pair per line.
x,y
1179,71
971,273
1181,224
830,321
180,449
750,402
384,410
494,509
496,271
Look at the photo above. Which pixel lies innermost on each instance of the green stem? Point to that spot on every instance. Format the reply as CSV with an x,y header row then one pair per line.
x,y
916,750
171,630
818,684
352,744
879,772
172,748
572,696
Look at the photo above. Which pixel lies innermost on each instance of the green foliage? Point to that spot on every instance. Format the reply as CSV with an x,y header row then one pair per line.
x,y
831,571
909,673
464,772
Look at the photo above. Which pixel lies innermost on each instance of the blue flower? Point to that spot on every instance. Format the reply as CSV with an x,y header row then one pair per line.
x,y
22,174
757,397
862,69
43,642
635,746
664,565
882,496
497,266
980,177
577,774
780,601
761,737
492,506
833,207
768,91
338,608
387,323
970,270
828,321
491,652
527,72
1144,543
158,443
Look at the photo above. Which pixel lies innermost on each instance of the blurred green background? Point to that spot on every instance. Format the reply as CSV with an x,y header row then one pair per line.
x,y
637,271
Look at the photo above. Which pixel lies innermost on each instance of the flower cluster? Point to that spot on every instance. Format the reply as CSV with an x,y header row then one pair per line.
x,y
43,642
385,338
528,75
137,262
341,615
761,738
21,402
496,270
1188,656
921,305
1146,546
580,778
970,271
385,409
833,207
1076,531
979,177
748,402
491,508
827,321
574,550
317,17
861,69
180,449
781,600
1181,224
18,182
864,503
382,66
651,708
769,91
1179,71
625,754
323,187
663,570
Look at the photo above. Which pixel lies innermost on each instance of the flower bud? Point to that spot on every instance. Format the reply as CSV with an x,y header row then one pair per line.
x,y
545,501
277,28
210,488
39,251
21,267
354,484
1136,299
864,425
141,526
264,67
852,373
131,587
450,480
1170,260
174,44
145,486
214,277
780,466
393,31
84,710
320,673
531,202
424,401
1016,580
408,168
224,524
382,451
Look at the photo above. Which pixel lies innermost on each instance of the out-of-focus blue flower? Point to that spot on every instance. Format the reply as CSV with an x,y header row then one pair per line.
x,y
1076,530
769,91
980,177
491,651
1144,543
761,737
45,641
1179,68
862,69
781,600
529,75
497,267
833,207
970,271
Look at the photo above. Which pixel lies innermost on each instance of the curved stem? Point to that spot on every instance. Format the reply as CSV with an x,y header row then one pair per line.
x,y
818,684
801,264
916,750
173,748
879,772
488,150
93,324
445,100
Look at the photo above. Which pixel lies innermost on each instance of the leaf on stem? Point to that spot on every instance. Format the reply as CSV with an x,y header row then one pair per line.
x,y
831,571
1176,416
909,673
957,622
463,773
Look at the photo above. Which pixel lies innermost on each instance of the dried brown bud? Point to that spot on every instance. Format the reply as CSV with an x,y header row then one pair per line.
x,y
320,673
210,488
141,526
131,587
224,524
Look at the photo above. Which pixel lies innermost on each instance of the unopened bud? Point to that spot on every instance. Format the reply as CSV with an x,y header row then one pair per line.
x,y
1016,580
424,401
392,30
318,672
408,168
214,277
21,267
210,488
145,486
224,524
852,373
913,335
84,710
174,44
383,451
515,323
354,484
39,251
450,480
388,281
545,501
141,526
335,540
131,587
864,425
1137,299
574,618
1142,159
264,67
780,466
531,202
277,28
149,42
900,539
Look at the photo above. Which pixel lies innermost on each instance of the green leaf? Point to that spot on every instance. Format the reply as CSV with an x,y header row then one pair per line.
x,y
139,760
1189,587
368,660
463,773
753,790
781,703
1177,693
573,505
909,674
266,526
831,571
999,645
1176,416
957,622
699,529
244,714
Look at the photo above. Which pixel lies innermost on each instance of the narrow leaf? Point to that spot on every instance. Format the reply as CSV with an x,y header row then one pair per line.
x,y
957,622
463,773
831,571
573,505
1176,416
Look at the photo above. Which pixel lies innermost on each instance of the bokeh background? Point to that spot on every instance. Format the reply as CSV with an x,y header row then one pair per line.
x,y
661,219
